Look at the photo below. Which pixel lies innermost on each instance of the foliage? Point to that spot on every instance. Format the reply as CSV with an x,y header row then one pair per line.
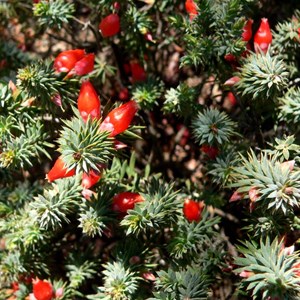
x,y
269,265
262,76
212,126
82,145
217,125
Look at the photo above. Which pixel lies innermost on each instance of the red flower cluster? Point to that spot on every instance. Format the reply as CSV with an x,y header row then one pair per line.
x,y
262,39
89,106
262,42
74,62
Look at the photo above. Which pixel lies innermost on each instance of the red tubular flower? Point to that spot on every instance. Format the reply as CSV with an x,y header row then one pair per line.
x,y
56,99
137,72
231,98
263,36
15,286
236,196
67,60
232,81
191,8
125,200
149,276
75,62
59,171
119,145
230,58
116,6
110,25
59,292
119,118
42,290
253,194
124,94
148,37
192,210
88,102
211,151
84,66
247,31
90,179
246,274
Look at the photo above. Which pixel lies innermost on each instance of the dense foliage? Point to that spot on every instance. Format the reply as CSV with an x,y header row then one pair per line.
x,y
149,149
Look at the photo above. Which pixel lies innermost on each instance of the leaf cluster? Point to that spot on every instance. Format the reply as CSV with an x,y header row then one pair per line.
x,y
270,270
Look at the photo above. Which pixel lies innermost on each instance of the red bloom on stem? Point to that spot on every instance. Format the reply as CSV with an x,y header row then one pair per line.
x,y
110,25
246,274
149,276
85,65
232,98
247,31
124,94
192,210
74,62
232,81
137,72
15,286
59,292
211,151
236,196
263,36
42,290
56,99
148,37
59,170
66,60
88,102
253,194
90,179
119,118
125,200
116,6
191,8
230,58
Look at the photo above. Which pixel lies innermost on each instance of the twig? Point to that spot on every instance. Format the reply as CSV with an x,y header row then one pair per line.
x,y
61,39
94,31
